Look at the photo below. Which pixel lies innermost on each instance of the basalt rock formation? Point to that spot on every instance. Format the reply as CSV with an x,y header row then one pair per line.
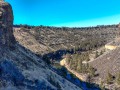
x,y
6,25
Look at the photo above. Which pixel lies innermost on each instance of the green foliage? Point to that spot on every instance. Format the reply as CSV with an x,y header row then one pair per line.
x,y
101,52
64,71
75,62
58,86
46,59
51,79
79,66
102,87
118,79
96,54
109,78
57,66
91,71
68,57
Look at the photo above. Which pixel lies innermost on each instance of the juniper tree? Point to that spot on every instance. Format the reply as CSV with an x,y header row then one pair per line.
x,y
118,79
109,78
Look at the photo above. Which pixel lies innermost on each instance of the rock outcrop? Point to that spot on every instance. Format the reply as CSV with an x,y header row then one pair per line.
x,y
6,25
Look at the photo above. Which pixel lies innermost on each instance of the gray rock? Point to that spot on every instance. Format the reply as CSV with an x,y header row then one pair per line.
x,y
6,25
10,72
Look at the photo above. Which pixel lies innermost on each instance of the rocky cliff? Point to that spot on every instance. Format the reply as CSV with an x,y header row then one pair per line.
x,y
6,25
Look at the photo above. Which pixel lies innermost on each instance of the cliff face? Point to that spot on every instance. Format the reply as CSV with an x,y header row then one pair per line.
x,y
6,25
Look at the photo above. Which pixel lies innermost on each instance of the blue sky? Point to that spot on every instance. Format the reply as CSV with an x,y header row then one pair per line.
x,y
70,13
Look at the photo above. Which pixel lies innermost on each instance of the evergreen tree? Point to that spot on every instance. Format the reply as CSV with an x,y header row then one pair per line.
x,y
79,66
101,52
109,78
68,57
91,71
96,54
102,87
118,79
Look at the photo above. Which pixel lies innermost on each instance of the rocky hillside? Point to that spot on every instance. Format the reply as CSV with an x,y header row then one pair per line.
x,y
20,68
43,39
108,62
56,42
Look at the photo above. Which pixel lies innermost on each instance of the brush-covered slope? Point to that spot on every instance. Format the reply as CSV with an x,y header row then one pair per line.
x,y
107,63
49,39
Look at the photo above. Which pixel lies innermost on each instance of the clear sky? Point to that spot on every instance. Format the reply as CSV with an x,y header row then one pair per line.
x,y
70,13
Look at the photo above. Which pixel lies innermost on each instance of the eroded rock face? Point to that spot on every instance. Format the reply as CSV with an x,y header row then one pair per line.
x,y
10,72
6,25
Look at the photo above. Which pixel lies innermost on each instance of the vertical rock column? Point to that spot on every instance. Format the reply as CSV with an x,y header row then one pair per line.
x,y
6,25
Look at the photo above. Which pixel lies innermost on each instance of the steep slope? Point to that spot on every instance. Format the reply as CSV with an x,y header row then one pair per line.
x,y
20,69
44,40
108,62
28,40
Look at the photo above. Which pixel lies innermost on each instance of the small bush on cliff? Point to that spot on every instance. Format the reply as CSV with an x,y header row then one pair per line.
x,y
118,79
46,59
109,78
91,71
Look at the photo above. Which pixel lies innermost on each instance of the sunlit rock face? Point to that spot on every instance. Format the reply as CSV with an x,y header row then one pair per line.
x,y
6,23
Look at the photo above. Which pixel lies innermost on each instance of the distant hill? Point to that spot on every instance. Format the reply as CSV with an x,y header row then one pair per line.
x,y
50,39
